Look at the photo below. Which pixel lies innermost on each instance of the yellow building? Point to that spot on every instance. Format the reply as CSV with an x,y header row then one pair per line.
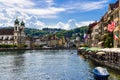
x,y
62,42
115,13
53,41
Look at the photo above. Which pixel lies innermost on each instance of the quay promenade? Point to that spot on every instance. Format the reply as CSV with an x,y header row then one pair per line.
x,y
109,57
12,49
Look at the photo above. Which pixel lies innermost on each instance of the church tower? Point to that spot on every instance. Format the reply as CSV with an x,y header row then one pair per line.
x,y
16,31
22,33
22,25
19,34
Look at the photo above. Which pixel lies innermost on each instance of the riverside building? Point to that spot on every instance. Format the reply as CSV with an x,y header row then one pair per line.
x,y
15,35
112,18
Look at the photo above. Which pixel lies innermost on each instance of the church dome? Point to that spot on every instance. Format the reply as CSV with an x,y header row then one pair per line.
x,y
22,23
16,21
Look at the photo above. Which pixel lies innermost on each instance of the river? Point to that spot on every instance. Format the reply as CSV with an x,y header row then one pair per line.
x,y
47,65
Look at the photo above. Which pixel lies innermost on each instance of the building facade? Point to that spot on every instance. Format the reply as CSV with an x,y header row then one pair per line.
x,y
112,15
14,35
90,34
95,36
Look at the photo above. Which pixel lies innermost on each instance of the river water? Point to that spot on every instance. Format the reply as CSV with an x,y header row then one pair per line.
x,y
47,65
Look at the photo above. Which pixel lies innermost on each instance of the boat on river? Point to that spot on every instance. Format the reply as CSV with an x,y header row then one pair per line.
x,y
100,73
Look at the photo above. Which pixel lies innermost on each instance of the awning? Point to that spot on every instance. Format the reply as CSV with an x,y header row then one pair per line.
x,y
100,53
100,42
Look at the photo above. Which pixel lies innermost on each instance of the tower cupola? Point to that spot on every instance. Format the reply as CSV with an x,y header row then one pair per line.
x,y
22,23
16,21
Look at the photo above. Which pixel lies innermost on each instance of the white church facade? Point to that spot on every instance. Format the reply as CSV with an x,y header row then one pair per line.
x,y
14,35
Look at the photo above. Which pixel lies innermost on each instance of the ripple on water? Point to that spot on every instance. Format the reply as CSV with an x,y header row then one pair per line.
x,y
44,65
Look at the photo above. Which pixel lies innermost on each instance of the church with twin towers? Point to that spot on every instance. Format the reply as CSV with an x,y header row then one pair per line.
x,y
15,35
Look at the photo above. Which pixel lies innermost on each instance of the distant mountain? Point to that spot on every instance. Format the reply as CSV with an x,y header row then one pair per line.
x,y
59,32
77,32
35,32
31,31
52,30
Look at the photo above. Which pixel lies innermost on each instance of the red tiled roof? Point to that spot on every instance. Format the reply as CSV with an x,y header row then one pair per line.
x,y
6,31
91,26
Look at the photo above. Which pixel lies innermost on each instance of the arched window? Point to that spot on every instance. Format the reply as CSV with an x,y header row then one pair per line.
x,y
15,28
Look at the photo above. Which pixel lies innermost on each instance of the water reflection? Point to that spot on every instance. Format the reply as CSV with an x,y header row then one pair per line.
x,y
45,65
11,66
114,74
18,66
19,52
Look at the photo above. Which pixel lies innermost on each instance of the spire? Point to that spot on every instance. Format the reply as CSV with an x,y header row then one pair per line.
x,y
16,21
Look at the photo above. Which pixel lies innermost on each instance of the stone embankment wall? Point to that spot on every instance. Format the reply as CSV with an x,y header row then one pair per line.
x,y
105,58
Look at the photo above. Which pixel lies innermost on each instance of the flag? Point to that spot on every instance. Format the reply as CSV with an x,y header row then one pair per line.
x,y
85,36
116,37
111,26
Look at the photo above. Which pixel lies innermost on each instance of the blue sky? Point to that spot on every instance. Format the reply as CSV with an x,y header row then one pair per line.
x,y
65,14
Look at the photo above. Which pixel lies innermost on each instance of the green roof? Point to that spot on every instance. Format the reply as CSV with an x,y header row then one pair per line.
x,y
22,23
16,21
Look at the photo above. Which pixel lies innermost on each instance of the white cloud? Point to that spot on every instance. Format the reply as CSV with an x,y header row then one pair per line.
x,y
40,24
71,24
93,5
50,2
30,7
31,12
42,12
85,5
62,25
16,3
84,23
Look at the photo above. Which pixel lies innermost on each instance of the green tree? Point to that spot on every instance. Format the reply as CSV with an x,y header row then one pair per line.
x,y
107,39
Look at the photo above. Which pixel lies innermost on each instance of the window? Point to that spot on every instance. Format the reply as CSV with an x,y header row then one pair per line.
x,y
4,37
96,30
9,37
15,37
117,23
116,15
15,27
6,42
